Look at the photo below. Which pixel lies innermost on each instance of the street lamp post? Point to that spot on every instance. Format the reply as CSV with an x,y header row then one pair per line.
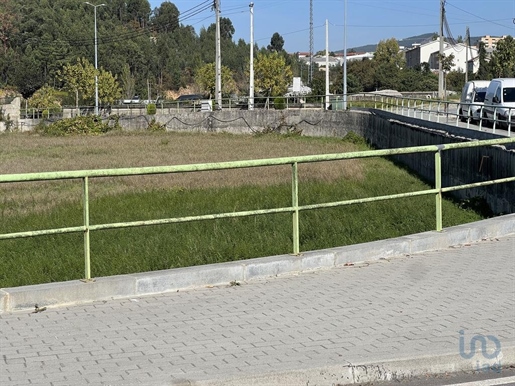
x,y
251,85
96,55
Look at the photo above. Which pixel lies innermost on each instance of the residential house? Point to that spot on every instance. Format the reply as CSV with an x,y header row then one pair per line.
x,y
428,53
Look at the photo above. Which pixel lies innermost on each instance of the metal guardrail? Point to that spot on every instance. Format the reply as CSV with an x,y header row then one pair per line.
x,y
295,208
174,107
443,111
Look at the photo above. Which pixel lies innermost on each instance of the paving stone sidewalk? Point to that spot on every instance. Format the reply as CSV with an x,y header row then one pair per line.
x,y
396,309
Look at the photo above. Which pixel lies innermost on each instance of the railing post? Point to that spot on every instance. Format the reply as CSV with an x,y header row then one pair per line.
x,y
438,185
509,122
295,205
85,204
495,120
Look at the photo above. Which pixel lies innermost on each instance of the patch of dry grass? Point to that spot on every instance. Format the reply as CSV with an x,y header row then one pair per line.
x,y
30,153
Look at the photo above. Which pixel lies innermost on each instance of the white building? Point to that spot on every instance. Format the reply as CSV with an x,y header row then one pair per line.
x,y
428,53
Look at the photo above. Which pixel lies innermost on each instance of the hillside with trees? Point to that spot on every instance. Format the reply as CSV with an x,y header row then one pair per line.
x,y
47,47
140,47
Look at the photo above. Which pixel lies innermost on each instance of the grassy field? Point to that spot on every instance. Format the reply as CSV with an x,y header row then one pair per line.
x,y
43,205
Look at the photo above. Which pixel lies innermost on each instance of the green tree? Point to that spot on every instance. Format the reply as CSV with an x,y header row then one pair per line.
x,y
128,81
205,79
387,76
388,52
26,75
166,17
78,78
455,80
8,21
447,64
276,43
364,70
108,88
272,75
138,11
503,58
45,98
226,28
484,68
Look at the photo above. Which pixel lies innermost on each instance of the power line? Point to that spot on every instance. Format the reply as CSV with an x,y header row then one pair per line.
x,y
479,17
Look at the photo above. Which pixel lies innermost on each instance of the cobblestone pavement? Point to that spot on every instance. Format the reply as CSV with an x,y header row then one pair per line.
x,y
404,307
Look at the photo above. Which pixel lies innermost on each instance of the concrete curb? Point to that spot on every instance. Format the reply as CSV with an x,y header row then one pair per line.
x,y
359,373
124,286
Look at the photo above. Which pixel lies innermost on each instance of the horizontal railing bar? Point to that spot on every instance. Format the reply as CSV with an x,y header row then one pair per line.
x,y
131,224
476,184
44,232
189,218
175,220
25,177
368,199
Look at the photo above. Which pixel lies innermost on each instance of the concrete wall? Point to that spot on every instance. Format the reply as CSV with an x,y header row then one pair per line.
x,y
458,166
383,130
12,111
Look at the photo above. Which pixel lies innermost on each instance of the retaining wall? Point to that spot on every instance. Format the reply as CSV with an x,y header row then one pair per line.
x,y
383,130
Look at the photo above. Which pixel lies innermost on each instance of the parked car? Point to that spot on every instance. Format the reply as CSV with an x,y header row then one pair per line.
x,y
472,100
190,97
500,102
133,100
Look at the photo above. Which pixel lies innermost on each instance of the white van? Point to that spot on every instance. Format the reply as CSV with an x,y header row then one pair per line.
x,y
472,98
500,102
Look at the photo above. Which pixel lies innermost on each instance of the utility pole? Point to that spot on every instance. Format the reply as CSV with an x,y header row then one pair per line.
x,y
251,70
345,56
218,59
440,56
96,55
326,64
467,43
310,77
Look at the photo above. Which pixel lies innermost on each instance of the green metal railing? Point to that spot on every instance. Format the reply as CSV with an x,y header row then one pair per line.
x,y
294,209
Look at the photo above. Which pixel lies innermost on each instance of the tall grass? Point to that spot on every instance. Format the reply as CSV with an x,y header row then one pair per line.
x,y
60,257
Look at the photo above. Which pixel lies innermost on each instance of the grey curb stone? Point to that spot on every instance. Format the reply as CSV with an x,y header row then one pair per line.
x,y
359,373
125,286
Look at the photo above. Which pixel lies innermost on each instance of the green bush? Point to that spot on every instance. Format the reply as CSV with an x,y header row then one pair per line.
x,y
79,125
151,109
156,126
279,104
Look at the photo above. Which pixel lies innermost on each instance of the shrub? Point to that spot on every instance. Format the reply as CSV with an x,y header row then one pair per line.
x,y
156,126
151,109
279,104
79,125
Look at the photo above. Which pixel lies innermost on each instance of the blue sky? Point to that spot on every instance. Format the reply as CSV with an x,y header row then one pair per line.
x,y
368,21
